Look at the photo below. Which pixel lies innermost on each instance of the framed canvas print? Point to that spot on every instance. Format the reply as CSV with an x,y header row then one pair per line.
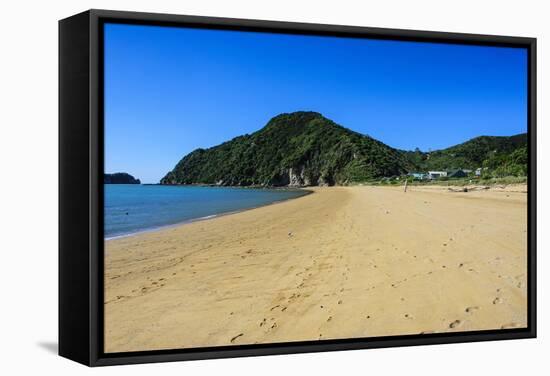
x,y
240,187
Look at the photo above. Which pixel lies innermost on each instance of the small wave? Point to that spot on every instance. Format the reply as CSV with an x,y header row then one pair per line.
x,y
208,216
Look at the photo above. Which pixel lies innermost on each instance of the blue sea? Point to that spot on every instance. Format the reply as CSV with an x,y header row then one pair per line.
x,y
133,208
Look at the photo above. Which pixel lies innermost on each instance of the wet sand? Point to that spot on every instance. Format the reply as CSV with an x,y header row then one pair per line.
x,y
342,262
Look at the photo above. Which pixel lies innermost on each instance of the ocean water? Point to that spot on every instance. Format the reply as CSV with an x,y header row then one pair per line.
x,y
133,208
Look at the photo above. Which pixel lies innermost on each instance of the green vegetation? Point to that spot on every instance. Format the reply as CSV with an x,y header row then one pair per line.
x,y
499,165
120,178
471,154
302,148
305,148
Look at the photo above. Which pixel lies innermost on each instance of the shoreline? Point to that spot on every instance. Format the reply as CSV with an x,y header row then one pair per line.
x,y
204,218
345,262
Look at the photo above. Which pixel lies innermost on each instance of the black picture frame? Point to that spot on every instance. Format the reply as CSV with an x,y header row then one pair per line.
x,y
81,187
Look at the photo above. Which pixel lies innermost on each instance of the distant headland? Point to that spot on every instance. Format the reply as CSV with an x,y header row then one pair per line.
x,y
120,178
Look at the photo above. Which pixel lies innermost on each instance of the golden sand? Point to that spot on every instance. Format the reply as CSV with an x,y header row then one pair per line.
x,y
342,262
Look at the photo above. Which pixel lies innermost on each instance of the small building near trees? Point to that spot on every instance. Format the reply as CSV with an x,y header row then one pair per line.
x,y
458,173
418,175
436,174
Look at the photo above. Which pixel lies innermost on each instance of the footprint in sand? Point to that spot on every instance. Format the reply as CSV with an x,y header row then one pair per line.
x,y
455,324
471,309
329,318
497,300
237,336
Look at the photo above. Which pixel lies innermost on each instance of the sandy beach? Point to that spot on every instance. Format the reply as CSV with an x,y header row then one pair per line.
x,y
339,263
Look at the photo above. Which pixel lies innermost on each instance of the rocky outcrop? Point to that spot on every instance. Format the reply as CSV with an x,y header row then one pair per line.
x,y
297,177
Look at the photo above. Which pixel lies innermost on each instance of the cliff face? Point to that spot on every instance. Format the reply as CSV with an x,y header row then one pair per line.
x,y
297,149
120,178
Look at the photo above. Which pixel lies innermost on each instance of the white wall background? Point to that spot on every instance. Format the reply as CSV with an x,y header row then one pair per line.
x,y
28,173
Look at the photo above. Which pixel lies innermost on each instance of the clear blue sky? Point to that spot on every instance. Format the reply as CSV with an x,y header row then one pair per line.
x,y
171,90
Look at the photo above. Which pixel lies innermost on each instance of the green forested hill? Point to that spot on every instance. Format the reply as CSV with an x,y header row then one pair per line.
x,y
297,149
305,148
483,151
